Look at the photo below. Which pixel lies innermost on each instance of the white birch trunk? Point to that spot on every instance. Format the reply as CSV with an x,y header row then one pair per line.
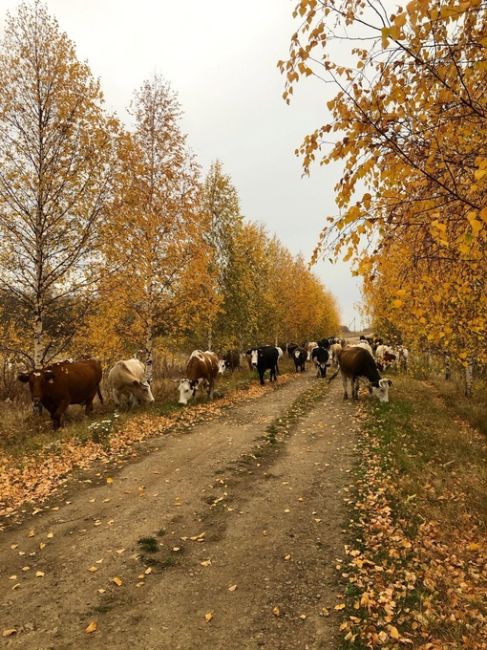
x,y
447,367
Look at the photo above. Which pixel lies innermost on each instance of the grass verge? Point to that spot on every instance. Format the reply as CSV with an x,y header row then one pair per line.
x,y
416,568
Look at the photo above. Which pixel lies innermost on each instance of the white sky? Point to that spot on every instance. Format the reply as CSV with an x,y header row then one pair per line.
x,y
220,56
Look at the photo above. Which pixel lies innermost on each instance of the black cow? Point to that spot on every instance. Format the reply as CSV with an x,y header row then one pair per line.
x,y
232,360
320,356
299,357
324,343
265,358
290,347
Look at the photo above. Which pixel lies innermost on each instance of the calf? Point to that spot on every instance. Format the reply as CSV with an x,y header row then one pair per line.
x,y
61,384
320,356
265,358
201,370
129,384
356,363
300,356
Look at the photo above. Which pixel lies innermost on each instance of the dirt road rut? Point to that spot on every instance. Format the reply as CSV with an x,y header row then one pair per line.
x,y
223,537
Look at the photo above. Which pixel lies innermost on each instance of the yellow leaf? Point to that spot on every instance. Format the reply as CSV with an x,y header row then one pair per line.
x,y
397,303
206,563
232,588
473,547
276,611
340,606
9,632
393,632
93,569
40,574
117,581
208,616
109,480
91,627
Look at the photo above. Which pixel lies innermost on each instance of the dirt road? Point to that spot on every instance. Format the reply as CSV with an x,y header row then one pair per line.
x,y
238,521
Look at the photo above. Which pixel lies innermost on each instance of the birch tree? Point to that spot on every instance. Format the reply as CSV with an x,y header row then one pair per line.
x,y
158,219
55,167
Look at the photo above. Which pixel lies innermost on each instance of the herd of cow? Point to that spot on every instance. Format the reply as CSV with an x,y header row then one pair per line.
x,y
67,382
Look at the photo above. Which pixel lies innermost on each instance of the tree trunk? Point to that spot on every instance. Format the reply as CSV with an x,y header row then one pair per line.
x,y
469,379
38,347
210,336
447,367
149,339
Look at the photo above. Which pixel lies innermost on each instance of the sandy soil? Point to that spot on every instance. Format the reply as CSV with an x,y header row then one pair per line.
x,y
267,520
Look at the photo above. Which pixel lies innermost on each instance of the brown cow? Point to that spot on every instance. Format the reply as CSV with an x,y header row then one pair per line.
x,y
202,368
61,384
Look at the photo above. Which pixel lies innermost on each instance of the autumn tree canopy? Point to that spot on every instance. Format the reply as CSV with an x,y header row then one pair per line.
x,y
408,126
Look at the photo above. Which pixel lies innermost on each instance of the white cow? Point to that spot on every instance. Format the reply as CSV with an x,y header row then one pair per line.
x,y
365,345
129,384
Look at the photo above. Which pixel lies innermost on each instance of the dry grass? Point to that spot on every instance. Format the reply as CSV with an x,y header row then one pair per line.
x,y
422,516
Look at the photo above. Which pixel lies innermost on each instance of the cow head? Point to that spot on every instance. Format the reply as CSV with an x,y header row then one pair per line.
x,y
142,391
187,390
38,381
382,391
222,366
254,357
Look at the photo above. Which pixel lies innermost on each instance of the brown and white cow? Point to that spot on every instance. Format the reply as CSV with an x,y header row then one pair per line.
x,y
202,369
357,363
57,386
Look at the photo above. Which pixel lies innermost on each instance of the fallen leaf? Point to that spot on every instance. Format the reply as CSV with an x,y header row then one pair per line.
x,y
13,578
109,480
42,546
50,535
276,611
287,557
393,632
31,533
91,627
9,632
93,569
148,570
208,616
117,581
13,546
40,574
232,588
101,590
206,563
340,606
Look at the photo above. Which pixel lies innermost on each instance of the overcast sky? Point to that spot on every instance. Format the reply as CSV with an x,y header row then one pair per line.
x,y
220,56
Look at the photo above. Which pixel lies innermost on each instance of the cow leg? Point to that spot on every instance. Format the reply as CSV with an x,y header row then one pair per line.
x,y
355,383
57,416
261,377
344,381
211,386
100,396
